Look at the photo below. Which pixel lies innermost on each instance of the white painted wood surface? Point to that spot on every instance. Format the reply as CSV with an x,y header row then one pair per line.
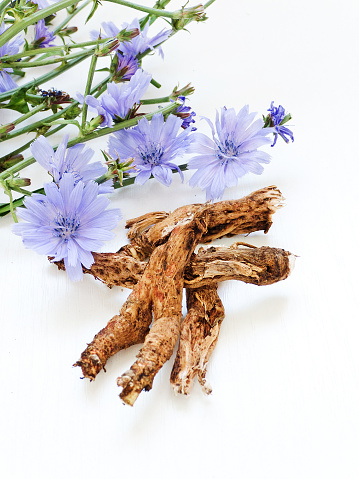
x,y
285,370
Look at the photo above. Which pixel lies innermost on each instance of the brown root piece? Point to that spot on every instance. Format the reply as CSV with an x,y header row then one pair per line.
x,y
225,218
251,213
198,337
166,265
240,261
243,262
122,331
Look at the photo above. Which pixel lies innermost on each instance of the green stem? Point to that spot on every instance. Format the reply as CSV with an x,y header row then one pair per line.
x,y
88,88
71,16
38,124
152,11
154,101
152,18
40,51
208,4
29,114
11,203
55,116
3,4
26,146
5,208
42,63
44,78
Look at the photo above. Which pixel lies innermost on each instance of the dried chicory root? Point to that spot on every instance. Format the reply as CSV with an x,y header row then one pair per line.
x,y
199,335
167,265
157,264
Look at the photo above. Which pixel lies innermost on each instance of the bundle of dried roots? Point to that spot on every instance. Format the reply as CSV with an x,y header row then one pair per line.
x,y
157,264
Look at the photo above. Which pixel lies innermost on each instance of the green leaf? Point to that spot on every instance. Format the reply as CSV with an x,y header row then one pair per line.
x,y
17,102
96,3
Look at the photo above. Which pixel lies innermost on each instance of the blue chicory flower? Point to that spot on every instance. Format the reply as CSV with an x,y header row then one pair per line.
x,y
231,154
74,160
43,36
139,44
68,222
127,66
118,101
186,114
10,48
153,145
277,115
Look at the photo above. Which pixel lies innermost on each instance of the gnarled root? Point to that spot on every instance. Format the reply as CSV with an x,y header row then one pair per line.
x,y
240,261
225,218
198,337
167,262
260,266
122,331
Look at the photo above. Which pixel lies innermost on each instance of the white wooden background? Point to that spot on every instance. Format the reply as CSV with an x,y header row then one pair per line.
x,y
285,370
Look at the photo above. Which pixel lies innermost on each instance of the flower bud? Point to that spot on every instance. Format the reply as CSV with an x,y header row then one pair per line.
x,y
185,91
107,47
127,35
10,160
18,182
118,169
67,31
180,17
95,123
5,129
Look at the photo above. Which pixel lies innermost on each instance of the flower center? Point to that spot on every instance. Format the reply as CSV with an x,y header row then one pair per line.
x,y
65,226
227,150
152,154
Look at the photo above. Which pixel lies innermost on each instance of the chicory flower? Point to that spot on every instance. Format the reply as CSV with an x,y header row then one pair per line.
x,y
139,44
68,223
231,153
153,145
118,101
43,36
74,160
276,118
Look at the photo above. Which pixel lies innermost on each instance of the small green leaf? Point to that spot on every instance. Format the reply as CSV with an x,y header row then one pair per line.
x,y
96,3
18,103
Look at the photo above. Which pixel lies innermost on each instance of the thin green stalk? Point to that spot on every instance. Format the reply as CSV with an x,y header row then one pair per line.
x,y
44,78
152,18
120,126
152,11
32,112
208,4
88,88
71,16
154,101
45,62
66,48
38,124
5,208
3,4
26,146
55,116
